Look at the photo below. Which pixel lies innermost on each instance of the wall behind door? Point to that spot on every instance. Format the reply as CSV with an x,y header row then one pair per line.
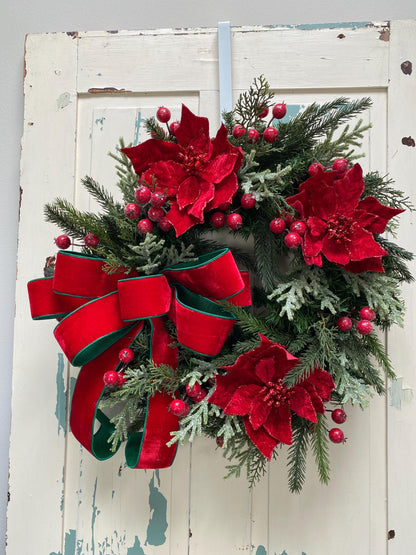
x,y
24,16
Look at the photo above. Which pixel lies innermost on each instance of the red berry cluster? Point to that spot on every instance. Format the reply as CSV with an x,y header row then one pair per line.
x,y
233,220
112,378
163,115
340,166
363,325
270,134
64,242
336,435
151,203
179,407
296,230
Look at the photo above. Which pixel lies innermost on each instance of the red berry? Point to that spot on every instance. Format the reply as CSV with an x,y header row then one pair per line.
x,y
132,210
288,219
344,323
339,416
218,219
155,214
110,378
270,134
293,240
174,127
179,407
278,225
126,355
91,240
193,390
238,131
367,313
121,379
224,206
315,168
234,221
143,194
220,441
63,242
163,114
165,224
336,435
248,201
201,395
144,226
299,227
279,111
263,112
340,165
253,135
364,327
157,199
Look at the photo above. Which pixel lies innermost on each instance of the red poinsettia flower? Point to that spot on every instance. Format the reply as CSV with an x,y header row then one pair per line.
x,y
253,388
339,225
197,173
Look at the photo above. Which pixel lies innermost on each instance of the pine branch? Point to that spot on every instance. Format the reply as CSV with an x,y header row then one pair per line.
x,y
297,455
319,444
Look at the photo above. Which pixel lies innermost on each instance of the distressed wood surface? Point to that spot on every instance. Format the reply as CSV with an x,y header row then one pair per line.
x,y
401,342
102,508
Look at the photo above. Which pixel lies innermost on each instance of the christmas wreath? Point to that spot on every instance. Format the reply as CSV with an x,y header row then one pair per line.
x,y
233,290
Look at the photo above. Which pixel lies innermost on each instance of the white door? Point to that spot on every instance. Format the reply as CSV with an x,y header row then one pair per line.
x,y
83,92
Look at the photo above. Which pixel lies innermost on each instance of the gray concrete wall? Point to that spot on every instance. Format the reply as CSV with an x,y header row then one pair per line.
x,y
19,17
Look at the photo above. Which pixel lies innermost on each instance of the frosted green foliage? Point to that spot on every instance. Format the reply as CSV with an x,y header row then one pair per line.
x,y
351,389
294,294
266,184
192,425
201,372
150,250
230,427
380,292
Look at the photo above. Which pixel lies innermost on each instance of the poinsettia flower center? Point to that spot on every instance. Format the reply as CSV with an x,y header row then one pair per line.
x,y
275,393
193,161
341,227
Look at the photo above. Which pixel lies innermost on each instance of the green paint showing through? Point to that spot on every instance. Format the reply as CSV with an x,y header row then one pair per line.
x,y
158,521
137,124
136,549
63,100
261,550
100,121
398,394
60,410
347,25
95,513
292,110
70,542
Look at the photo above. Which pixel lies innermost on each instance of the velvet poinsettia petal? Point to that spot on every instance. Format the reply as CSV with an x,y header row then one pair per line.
x,y
149,152
301,403
192,130
313,394
323,201
218,168
363,245
313,260
164,175
228,384
180,220
384,213
259,412
299,202
242,399
221,145
206,193
265,369
335,251
264,442
188,191
365,219
322,382
349,189
279,424
368,265
224,191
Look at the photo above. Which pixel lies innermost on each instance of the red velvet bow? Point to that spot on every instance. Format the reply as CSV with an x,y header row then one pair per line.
x,y
103,314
